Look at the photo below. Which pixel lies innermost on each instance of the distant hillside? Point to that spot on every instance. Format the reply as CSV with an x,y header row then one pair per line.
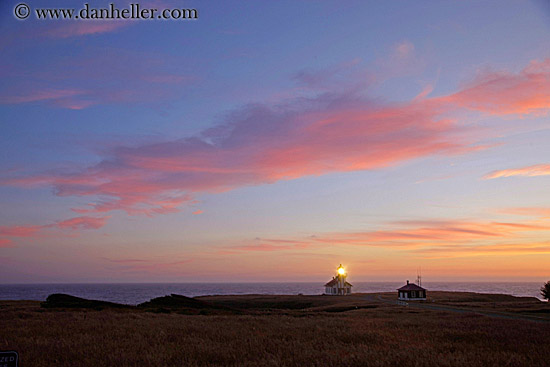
x,y
182,304
60,300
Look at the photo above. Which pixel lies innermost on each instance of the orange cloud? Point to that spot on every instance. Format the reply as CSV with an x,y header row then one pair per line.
x,y
414,234
529,171
428,239
531,211
197,212
486,250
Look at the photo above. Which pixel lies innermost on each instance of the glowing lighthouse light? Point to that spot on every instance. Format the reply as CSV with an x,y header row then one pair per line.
x,y
338,286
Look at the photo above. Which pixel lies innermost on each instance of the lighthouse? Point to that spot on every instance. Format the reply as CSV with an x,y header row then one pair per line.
x,y
338,286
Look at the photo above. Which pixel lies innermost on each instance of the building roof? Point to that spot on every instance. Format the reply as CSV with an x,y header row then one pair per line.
x,y
411,287
334,282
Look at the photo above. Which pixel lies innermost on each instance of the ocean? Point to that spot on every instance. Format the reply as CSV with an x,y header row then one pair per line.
x,y
134,293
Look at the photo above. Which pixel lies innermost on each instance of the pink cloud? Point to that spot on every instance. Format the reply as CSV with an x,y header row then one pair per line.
x,y
7,233
4,242
151,200
404,49
74,104
77,28
83,222
327,78
529,171
424,93
155,265
261,144
128,261
197,212
69,28
19,231
504,93
402,60
266,247
131,76
258,145
38,95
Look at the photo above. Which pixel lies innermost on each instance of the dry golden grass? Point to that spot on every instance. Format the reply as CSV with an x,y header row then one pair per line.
x,y
384,335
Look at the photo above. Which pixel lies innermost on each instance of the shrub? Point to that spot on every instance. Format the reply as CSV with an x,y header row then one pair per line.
x,y
545,290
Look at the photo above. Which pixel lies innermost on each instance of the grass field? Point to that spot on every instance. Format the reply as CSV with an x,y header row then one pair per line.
x,y
358,330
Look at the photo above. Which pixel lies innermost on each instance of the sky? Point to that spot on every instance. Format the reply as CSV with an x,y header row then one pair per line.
x,y
275,140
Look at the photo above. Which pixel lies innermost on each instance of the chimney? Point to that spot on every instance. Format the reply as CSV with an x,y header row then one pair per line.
x,y
407,282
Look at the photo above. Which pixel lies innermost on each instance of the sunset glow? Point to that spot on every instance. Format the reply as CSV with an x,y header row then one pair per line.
x,y
385,137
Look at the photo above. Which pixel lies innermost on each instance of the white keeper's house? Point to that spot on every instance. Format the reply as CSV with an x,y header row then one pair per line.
x,y
338,286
